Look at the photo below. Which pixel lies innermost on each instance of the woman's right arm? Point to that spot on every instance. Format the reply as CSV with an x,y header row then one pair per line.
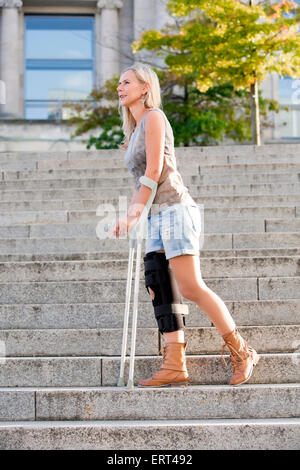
x,y
133,200
123,225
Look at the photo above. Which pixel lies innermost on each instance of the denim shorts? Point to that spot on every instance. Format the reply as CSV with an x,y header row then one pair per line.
x,y
176,230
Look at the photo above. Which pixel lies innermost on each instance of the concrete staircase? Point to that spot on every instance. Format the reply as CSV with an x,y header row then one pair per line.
x,y
62,293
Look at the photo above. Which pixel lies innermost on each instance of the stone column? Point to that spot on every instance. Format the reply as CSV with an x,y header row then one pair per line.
x,y
143,21
97,39
162,18
141,17
9,66
109,38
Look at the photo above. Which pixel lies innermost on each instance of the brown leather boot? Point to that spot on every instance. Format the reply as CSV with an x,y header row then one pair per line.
x,y
242,356
173,370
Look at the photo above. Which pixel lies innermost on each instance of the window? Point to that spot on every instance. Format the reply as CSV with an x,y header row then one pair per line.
x,y
59,63
289,95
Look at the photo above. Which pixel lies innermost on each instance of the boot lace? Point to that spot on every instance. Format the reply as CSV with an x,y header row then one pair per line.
x,y
234,355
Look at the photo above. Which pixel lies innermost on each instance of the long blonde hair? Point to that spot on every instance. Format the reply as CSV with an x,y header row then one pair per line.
x,y
145,74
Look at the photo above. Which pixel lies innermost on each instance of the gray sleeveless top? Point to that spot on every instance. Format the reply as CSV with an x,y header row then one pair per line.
x,y
170,189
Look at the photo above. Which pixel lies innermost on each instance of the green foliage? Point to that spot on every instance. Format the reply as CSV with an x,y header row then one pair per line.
x,y
206,118
197,118
99,111
215,51
228,40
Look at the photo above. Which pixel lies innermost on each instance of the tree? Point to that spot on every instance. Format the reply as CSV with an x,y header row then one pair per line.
x,y
205,118
197,118
99,110
228,41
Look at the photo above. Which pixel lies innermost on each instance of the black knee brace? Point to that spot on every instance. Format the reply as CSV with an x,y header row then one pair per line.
x,y
168,307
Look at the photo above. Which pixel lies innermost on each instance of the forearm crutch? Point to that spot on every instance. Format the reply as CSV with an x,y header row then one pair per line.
x,y
136,235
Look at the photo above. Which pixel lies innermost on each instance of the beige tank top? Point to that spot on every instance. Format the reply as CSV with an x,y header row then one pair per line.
x,y
171,189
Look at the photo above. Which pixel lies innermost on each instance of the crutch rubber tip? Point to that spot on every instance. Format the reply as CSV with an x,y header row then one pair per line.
x,y
121,382
130,384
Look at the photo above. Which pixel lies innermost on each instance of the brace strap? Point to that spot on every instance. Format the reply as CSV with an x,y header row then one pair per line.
x,y
169,322
175,309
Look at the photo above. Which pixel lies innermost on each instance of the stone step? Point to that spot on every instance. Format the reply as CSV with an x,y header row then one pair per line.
x,y
97,179
108,341
34,157
252,288
90,199
115,403
214,216
88,244
115,269
253,171
27,163
207,201
227,150
32,217
101,183
209,369
123,255
245,189
64,192
241,434
94,161
75,342
243,168
210,172
233,148
110,314
236,214
10,164
29,155
227,225
218,152
211,241
287,147
265,240
233,206
104,371
191,160
281,225
61,318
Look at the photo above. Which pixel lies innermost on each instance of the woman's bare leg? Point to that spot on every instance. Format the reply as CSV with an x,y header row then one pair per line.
x,y
187,273
186,269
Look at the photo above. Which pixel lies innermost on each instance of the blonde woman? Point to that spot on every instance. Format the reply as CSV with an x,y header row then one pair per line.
x,y
149,145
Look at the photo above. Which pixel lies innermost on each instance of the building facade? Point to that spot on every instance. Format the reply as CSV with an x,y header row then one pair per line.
x,y
53,51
